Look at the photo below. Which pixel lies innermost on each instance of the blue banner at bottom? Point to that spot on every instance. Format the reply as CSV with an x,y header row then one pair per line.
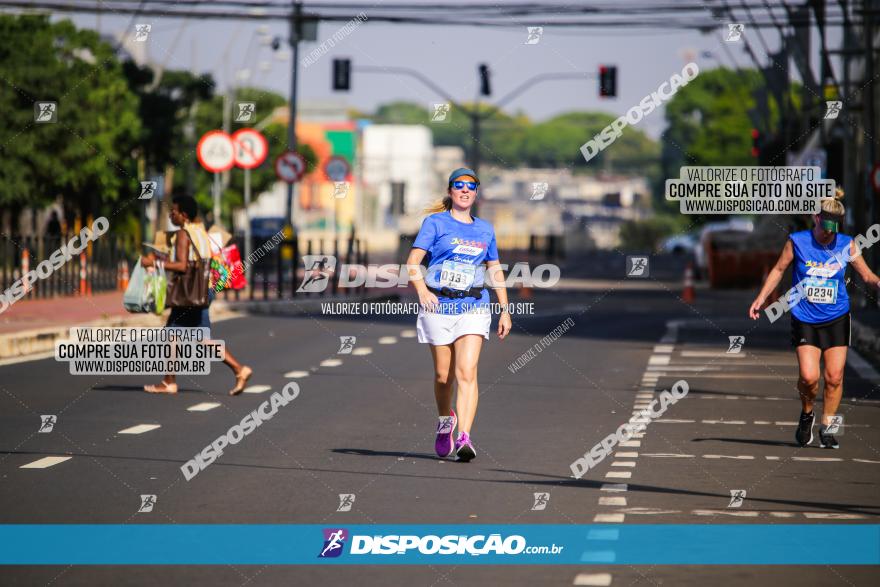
x,y
518,544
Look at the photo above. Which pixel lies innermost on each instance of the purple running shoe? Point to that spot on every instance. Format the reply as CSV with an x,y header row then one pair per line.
x,y
464,450
443,445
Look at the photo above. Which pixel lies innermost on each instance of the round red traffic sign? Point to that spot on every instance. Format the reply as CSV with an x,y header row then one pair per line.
x,y
251,148
337,168
875,177
290,166
215,151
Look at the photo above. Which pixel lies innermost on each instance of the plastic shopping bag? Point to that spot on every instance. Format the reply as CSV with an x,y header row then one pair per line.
x,y
158,288
138,295
227,270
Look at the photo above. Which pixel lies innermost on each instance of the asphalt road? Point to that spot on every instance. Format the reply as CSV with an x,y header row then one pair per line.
x,y
363,424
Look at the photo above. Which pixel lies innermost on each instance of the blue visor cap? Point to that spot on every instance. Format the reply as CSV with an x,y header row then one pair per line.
x,y
461,172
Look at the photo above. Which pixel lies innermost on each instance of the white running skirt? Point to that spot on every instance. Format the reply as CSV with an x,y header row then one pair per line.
x,y
439,329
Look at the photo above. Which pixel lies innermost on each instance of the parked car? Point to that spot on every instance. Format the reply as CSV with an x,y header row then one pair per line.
x,y
733,225
679,244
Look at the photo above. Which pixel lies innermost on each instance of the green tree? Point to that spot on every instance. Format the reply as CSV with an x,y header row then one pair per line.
x,y
86,156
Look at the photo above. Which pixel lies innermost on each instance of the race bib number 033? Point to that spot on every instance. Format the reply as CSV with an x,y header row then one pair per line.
x,y
821,291
457,275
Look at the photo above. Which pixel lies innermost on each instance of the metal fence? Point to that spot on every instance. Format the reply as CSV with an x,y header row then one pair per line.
x,y
278,273
96,269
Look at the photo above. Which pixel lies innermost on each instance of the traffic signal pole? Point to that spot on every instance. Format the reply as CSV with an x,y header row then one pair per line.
x,y
295,30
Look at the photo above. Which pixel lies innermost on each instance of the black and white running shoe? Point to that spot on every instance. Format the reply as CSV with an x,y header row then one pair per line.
x,y
804,433
827,440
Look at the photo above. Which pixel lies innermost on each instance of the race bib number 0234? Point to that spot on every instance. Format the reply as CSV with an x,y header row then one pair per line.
x,y
821,291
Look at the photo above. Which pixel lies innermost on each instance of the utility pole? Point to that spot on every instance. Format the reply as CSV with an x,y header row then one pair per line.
x,y
295,32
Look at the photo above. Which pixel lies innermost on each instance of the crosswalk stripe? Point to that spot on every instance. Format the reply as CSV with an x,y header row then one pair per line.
x,y
623,464
331,362
203,407
388,340
618,474
612,501
296,374
614,487
45,462
608,518
257,388
593,579
408,333
139,429
361,351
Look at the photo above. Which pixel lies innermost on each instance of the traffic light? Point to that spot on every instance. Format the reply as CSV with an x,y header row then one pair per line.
x,y
485,89
757,142
341,75
608,81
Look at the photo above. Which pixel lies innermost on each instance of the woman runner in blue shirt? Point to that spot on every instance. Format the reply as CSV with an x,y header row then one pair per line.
x,y
455,315
820,319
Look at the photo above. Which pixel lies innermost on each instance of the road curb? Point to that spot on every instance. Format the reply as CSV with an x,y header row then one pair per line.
x,y
866,341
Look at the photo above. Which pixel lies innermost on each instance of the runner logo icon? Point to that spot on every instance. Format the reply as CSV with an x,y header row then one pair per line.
x,y
541,500
346,500
736,344
318,269
47,423
334,542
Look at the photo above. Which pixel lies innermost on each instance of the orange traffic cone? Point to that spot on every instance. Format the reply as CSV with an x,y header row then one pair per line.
x,y
688,294
123,277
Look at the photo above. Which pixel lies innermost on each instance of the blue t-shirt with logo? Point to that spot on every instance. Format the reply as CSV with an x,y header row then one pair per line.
x,y
456,253
820,270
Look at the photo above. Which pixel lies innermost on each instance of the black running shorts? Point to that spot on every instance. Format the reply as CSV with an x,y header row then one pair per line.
x,y
825,335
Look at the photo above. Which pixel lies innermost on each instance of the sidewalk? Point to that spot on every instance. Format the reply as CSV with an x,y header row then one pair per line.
x,y
31,327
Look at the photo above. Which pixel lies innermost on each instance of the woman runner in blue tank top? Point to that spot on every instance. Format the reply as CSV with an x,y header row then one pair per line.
x,y
820,318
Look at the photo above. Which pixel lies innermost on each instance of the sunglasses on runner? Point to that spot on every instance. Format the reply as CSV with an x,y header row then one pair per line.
x,y
472,185
830,223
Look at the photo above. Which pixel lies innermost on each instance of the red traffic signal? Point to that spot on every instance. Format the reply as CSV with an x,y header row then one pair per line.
x,y
756,142
608,81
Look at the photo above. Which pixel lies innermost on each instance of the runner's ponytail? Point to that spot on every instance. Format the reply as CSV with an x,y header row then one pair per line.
x,y
442,205
833,205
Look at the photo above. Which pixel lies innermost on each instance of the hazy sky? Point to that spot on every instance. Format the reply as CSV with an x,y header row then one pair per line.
x,y
449,55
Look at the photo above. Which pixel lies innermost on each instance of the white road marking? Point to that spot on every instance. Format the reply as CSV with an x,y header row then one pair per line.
x,y
760,422
786,423
712,354
139,429
683,368
608,518
867,461
203,407
593,579
735,513
649,511
781,514
257,388
667,455
664,348
826,516
631,443
388,340
659,360
733,457
674,421
331,362
644,396
614,487
613,501
771,458
363,350
410,333
296,374
626,455
623,464
818,459
45,462
737,422
618,474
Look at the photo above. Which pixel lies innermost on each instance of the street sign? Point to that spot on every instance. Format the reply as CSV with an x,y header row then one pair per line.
x,y
337,168
290,167
215,151
875,177
251,148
